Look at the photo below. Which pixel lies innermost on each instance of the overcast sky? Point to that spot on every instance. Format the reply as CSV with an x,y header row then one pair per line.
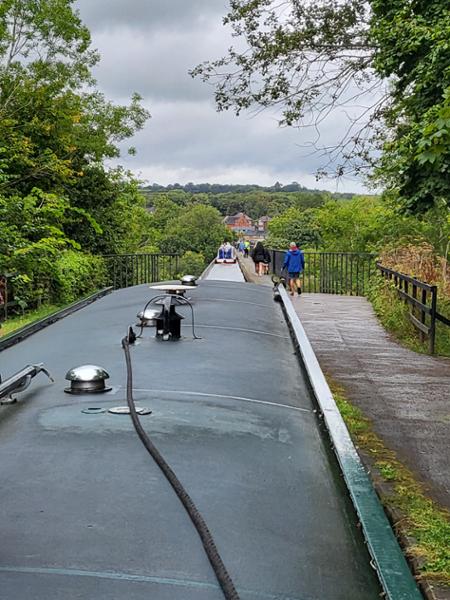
x,y
148,46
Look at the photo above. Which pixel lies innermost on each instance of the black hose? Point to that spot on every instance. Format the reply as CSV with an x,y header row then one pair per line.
x,y
223,577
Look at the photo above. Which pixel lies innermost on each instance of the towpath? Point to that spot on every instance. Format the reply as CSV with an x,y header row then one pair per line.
x,y
405,394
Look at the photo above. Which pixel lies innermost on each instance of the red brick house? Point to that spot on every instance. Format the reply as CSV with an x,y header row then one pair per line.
x,y
240,223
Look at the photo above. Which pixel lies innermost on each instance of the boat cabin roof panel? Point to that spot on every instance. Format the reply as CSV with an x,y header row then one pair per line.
x,y
85,513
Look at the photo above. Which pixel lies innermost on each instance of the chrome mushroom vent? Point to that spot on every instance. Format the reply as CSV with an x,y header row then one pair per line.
x,y
147,317
189,280
87,379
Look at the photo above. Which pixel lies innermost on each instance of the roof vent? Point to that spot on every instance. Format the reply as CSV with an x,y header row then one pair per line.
x,y
147,317
87,379
189,280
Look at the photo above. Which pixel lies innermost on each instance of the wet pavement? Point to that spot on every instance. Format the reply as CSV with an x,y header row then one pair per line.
x,y
405,394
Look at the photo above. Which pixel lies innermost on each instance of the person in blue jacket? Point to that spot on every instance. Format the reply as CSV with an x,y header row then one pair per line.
x,y
294,263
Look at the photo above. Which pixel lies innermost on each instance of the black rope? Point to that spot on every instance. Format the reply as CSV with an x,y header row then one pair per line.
x,y
223,577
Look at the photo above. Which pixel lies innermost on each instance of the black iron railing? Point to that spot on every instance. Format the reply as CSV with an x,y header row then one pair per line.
x,y
125,270
422,300
332,272
6,299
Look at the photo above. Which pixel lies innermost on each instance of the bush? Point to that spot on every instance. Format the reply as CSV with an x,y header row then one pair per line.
x,y
420,261
191,263
76,275
392,312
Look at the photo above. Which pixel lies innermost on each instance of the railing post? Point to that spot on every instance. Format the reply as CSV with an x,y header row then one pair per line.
x,y
351,274
357,275
422,314
432,336
414,295
321,272
114,262
315,272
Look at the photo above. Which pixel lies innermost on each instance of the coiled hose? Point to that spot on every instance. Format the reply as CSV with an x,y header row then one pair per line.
x,y
223,577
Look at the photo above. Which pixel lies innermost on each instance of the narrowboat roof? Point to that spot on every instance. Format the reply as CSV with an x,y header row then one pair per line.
x,y
85,512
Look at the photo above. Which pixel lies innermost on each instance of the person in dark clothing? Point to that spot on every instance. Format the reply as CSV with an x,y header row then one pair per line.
x,y
261,258
294,263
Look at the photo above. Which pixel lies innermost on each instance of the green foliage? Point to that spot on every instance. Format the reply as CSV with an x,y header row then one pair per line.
x,y
53,124
423,521
414,52
191,263
294,225
17,322
199,228
362,224
32,238
56,130
255,203
76,275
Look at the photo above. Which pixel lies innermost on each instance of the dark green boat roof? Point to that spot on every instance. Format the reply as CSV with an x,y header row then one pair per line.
x,y
86,514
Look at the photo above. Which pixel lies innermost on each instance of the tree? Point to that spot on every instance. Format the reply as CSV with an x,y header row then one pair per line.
x,y
304,58
54,125
297,226
33,240
198,229
56,130
414,53
307,58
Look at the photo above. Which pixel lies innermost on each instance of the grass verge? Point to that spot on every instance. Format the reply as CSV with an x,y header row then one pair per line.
x,y
14,323
393,315
423,523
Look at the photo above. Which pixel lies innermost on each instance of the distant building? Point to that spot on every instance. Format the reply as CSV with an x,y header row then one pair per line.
x,y
261,224
240,223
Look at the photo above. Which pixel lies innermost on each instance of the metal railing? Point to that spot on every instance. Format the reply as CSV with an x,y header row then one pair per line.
x,y
422,299
332,272
125,270
6,300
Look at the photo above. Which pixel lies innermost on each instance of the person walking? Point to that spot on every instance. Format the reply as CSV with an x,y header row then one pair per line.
x,y
246,248
294,263
261,258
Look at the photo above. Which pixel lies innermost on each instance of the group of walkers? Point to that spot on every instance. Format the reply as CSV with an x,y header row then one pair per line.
x,y
244,247
293,264
261,258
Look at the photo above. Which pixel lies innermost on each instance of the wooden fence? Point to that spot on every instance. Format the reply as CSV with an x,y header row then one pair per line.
x,y
422,300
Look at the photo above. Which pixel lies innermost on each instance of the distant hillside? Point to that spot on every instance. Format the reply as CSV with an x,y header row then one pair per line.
x,y
255,201
219,188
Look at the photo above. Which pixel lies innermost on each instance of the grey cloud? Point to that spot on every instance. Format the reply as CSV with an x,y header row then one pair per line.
x,y
190,137
156,66
149,15
148,46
